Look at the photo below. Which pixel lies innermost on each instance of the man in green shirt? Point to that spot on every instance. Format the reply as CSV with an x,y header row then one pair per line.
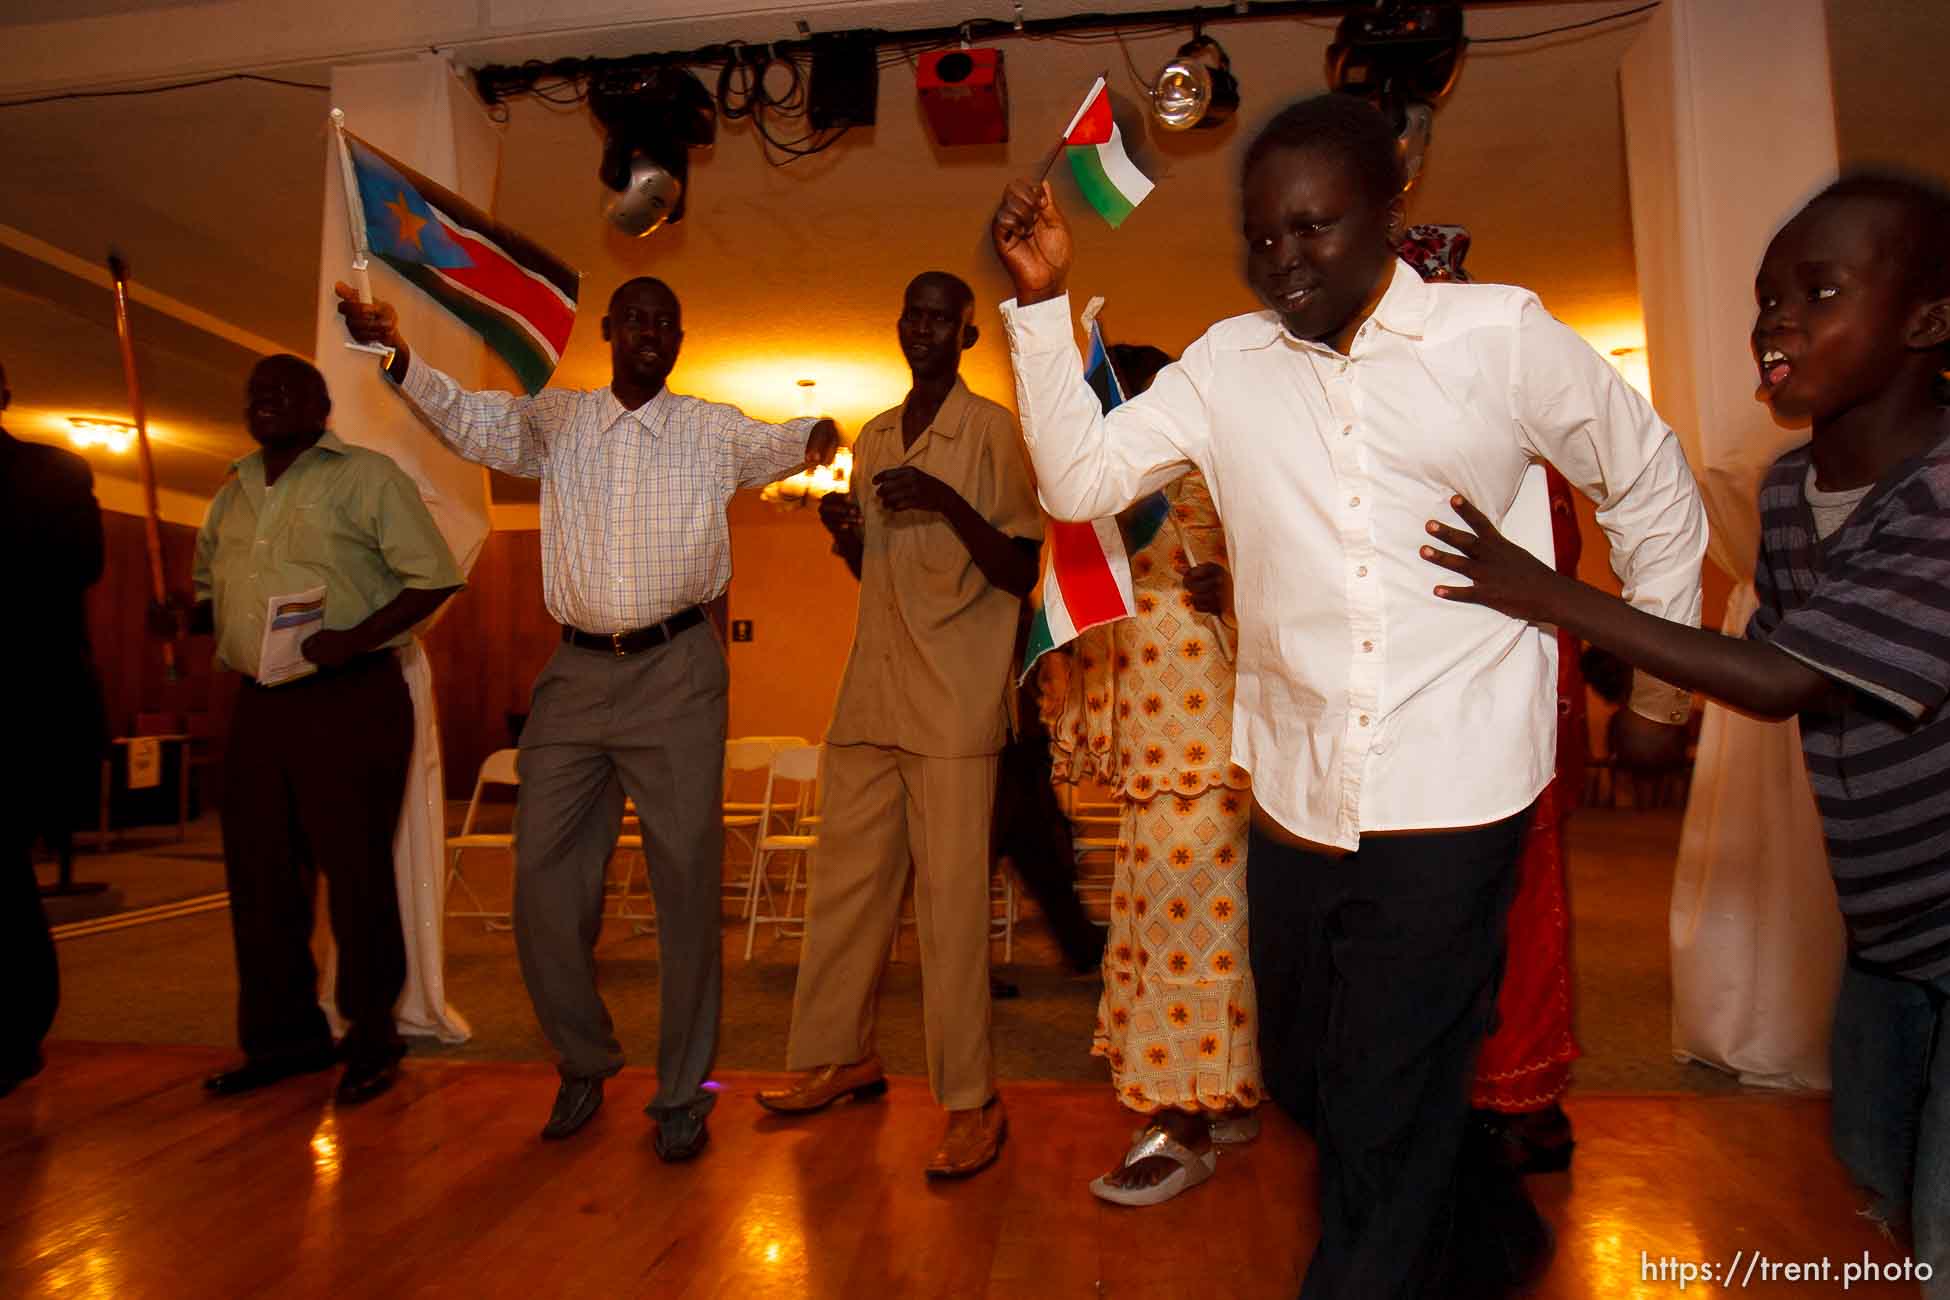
x,y
316,767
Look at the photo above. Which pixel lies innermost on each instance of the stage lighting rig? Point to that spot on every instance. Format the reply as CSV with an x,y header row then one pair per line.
x,y
652,117
1403,58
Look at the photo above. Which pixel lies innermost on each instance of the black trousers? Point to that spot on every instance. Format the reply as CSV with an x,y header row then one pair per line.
x,y
313,781
28,971
46,784
1376,974
1032,832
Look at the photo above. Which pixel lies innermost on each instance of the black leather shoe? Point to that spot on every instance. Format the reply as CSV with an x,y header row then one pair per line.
x,y
576,1103
680,1136
265,1071
364,1080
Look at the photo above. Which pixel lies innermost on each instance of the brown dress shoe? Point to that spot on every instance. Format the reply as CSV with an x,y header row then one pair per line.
x,y
973,1140
818,1089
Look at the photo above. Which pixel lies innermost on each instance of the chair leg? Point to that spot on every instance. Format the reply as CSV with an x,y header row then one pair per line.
x,y
759,864
456,877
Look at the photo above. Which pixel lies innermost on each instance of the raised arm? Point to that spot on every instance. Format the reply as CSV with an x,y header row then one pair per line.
x,y
498,430
1088,465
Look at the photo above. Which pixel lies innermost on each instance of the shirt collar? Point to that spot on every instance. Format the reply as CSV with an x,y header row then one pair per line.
x,y
648,417
947,422
1403,309
327,442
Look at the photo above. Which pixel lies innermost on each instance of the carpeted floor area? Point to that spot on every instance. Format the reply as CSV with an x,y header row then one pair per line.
x,y
173,981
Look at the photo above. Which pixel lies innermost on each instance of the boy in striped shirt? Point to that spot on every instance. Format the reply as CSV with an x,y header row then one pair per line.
x,y
1852,635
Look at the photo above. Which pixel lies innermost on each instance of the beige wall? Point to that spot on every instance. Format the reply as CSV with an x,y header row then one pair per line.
x,y
801,600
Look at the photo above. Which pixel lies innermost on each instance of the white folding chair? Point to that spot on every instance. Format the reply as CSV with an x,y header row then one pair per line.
x,y
1002,922
1096,840
798,766
743,818
498,769
629,846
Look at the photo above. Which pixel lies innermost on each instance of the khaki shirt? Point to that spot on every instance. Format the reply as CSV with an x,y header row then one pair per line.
x,y
929,670
342,517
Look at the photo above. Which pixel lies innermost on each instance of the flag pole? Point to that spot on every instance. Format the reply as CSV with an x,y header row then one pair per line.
x,y
118,271
1056,150
355,215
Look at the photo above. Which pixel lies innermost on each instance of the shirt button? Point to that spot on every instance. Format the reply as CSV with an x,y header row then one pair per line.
x,y
1346,429
1361,572
1354,501
1367,647
1364,719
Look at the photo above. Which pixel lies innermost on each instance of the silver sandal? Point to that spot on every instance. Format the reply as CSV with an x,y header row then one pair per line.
x,y
1192,1170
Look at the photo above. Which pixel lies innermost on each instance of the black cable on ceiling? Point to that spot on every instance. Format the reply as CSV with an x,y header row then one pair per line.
x,y
159,90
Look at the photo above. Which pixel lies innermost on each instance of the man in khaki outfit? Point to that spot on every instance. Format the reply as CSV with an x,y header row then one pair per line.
x,y
944,543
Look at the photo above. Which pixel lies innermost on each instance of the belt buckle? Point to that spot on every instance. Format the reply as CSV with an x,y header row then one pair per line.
x,y
616,644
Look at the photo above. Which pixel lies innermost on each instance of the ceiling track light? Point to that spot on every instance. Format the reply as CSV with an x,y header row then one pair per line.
x,y
1403,58
651,118
1196,90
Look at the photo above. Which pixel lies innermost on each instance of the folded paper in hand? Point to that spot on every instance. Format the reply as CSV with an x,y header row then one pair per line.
x,y
287,623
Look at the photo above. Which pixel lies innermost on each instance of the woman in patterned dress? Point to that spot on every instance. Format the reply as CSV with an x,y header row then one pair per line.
x,y
1144,705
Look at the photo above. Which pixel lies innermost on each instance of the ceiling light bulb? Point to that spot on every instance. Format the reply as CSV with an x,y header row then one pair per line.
x,y
1196,89
113,436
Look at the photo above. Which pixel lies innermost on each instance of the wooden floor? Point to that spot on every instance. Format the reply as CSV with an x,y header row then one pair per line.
x,y
120,1178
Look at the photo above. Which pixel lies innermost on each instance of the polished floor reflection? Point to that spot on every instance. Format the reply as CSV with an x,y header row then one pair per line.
x,y
119,1178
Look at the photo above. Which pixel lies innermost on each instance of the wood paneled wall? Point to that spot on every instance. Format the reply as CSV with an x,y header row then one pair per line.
x,y
128,660
486,648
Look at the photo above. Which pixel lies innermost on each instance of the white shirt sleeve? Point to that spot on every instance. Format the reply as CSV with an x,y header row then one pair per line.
x,y
763,452
498,430
1581,416
1089,465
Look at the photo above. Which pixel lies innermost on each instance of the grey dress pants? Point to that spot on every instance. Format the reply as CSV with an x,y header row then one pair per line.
x,y
650,725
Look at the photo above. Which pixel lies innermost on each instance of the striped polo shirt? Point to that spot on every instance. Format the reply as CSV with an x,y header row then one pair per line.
x,y
1869,606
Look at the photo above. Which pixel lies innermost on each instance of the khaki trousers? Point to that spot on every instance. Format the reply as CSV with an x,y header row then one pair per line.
x,y
881,806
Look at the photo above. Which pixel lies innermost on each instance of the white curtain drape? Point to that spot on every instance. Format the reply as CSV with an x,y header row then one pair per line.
x,y
1756,939
421,112
1756,936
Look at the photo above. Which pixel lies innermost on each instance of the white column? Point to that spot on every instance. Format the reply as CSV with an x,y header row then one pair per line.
x,y
1730,128
420,112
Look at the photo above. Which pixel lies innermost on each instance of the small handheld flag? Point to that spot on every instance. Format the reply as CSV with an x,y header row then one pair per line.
x,y
1110,181
1087,575
519,297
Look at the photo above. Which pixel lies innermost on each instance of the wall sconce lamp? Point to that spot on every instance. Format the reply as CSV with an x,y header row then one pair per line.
x,y
114,436
809,485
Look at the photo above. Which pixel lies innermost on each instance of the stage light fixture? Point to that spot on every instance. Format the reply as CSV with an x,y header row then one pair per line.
x,y
1403,58
651,118
965,96
1196,90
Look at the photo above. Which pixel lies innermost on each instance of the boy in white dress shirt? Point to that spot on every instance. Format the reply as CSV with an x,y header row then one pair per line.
x,y
1396,741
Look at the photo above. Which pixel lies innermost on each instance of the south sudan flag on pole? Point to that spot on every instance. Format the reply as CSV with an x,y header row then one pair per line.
x,y
519,297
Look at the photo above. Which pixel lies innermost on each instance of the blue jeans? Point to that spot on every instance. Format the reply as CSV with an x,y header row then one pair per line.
x,y
1891,1119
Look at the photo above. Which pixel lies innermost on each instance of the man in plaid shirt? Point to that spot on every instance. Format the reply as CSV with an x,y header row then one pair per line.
x,y
635,481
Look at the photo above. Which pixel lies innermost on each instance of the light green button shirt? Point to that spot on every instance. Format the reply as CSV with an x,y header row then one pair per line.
x,y
342,517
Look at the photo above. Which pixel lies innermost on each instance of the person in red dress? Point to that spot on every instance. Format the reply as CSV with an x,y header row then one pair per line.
x,y
1525,1065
